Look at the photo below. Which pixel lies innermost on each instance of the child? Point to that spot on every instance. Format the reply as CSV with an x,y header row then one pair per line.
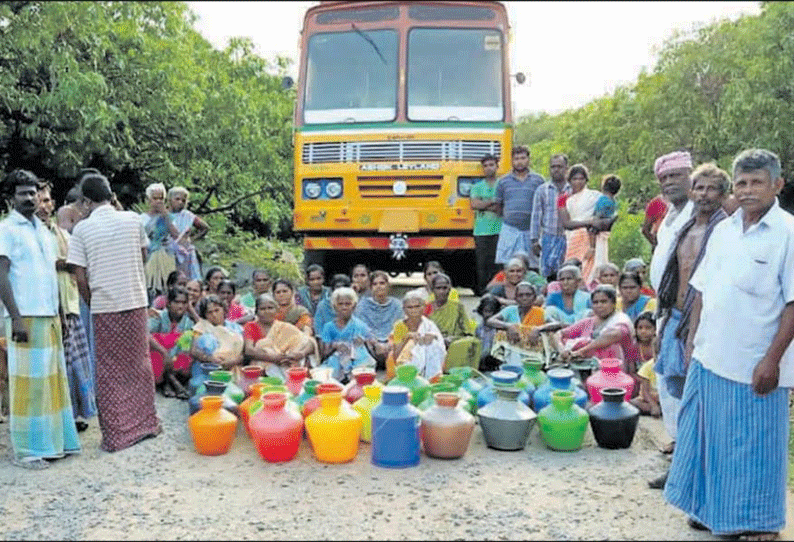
x,y
648,398
606,206
488,307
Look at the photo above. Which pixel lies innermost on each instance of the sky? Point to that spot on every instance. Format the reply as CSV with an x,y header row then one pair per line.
x,y
571,52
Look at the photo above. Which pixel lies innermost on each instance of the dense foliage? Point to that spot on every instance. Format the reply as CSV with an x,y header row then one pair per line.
x,y
714,91
132,89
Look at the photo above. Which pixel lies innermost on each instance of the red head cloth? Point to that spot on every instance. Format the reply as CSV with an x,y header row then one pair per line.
x,y
674,160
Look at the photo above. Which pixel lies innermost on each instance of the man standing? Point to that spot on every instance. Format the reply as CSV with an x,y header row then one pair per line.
x,y
514,194
42,423
672,170
546,231
75,341
487,224
107,250
710,187
729,467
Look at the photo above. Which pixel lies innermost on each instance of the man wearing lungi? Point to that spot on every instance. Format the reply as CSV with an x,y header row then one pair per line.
x,y
729,468
515,192
546,231
42,423
107,251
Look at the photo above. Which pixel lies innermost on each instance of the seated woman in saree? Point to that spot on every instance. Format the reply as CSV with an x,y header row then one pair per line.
x,y
607,273
170,364
430,270
261,283
577,214
488,306
345,339
359,278
416,340
631,301
515,322
637,265
514,274
449,315
191,228
215,339
570,304
175,278
288,310
325,312
380,311
213,279
195,293
608,333
532,277
235,312
161,231
272,344
314,291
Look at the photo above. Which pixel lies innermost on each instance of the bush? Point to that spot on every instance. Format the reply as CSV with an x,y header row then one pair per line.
x,y
626,240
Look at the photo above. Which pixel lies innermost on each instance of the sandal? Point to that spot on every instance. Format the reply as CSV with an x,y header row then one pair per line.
x,y
667,450
32,463
695,524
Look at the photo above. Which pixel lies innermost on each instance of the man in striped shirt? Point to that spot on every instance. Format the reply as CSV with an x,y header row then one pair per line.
x,y
107,251
545,230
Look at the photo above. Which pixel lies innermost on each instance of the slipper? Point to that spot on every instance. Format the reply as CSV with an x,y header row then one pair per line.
x,y
695,524
668,449
81,426
35,463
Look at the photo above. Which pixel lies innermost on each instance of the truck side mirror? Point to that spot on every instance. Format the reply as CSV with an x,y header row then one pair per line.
x,y
520,78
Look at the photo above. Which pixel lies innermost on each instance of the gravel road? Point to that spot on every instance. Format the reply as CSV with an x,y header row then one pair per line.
x,y
162,489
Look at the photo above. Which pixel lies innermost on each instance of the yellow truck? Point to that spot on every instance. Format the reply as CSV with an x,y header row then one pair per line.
x,y
397,102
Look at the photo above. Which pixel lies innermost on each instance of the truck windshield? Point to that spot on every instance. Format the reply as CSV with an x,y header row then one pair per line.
x,y
351,77
455,74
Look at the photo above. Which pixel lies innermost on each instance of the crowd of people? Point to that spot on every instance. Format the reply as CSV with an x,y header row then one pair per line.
x,y
119,310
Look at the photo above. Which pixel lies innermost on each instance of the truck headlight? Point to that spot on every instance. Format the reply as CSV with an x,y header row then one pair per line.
x,y
312,189
333,189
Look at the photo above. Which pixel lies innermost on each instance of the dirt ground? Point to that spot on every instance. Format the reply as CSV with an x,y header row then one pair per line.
x,y
162,489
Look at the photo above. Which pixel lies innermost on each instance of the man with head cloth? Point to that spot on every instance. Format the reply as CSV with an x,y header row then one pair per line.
x,y
729,467
107,251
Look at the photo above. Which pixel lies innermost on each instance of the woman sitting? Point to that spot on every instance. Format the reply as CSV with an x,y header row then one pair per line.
x,y
345,338
430,270
516,322
607,273
325,312
171,366
570,304
313,292
227,291
530,276
637,265
288,310
416,340
359,277
449,315
380,311
215,339
514,274
488,306
261,283
213,279
631,301
175,278
608,333
273,344
194,294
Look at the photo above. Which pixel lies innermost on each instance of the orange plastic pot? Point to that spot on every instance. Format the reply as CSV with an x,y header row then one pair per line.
x,y
212,427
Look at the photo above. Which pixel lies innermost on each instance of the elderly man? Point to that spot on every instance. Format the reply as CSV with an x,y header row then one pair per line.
x,y
673,171
729,467
710,186
106,251
42,423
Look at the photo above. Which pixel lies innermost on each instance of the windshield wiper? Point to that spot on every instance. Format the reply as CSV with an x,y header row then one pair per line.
x,y
369,40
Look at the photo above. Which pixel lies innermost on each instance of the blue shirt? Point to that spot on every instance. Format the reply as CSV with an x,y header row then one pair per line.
x,y
355,329
516,198
605,207
31,248
581,302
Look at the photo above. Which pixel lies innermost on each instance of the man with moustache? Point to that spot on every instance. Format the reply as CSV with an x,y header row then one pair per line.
x,y
710,187
515,192
546,231
729,468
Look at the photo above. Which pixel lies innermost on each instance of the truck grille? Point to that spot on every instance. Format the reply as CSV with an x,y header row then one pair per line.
x,y
397,151
425,187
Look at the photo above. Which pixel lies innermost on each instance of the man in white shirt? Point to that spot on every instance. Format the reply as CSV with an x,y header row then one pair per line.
x,y
729,468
